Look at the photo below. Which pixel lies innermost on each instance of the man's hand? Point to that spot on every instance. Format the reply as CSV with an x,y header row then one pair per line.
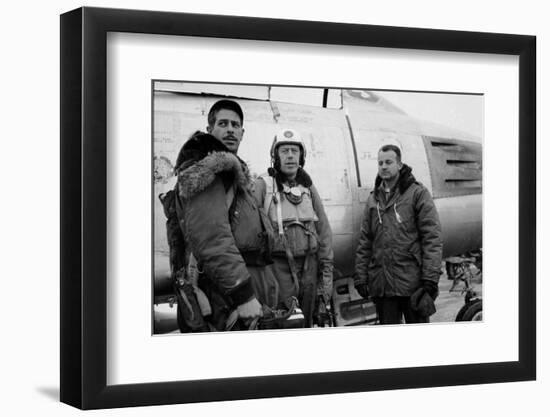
x,y
430,287
326,286
250,310
361,286
362,289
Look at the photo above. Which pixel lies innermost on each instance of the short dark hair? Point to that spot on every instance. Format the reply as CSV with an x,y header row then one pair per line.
x,y
387,148
224,105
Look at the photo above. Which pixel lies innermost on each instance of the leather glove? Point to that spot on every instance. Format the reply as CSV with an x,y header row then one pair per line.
x,y
361,286
422,302
430,287
363,290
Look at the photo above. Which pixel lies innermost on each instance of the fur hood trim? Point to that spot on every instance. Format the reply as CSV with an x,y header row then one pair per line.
x,y
201,174
406,179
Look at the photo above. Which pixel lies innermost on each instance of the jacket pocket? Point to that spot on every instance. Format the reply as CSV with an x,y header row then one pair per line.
x,y
246,226
302,240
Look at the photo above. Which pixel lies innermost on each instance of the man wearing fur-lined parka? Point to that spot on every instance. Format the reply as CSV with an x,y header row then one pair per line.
x,y
220,220
398,259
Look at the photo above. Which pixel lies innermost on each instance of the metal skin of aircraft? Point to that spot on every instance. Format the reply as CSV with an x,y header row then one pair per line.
x,y
342,135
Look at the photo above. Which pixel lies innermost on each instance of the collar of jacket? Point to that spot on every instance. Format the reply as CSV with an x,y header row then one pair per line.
x,y
406,179
302,178
201,159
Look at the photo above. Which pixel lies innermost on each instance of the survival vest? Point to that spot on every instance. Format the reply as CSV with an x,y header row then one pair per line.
x,y
295,221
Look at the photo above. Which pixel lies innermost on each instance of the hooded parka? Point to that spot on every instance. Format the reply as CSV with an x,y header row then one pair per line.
x,y
229,236
400,240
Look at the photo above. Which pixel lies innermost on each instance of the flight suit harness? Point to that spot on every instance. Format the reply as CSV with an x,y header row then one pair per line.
x,y
297,219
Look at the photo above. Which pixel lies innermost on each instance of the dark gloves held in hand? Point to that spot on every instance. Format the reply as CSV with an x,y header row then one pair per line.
x,y
422,300
431,288
362,289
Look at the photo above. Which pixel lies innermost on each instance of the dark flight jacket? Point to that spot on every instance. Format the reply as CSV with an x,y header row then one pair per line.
x,y
400,241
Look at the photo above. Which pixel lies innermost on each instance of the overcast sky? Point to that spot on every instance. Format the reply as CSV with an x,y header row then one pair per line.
x,y
460,111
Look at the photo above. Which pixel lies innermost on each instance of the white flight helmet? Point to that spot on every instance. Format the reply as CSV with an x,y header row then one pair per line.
x,y
288,137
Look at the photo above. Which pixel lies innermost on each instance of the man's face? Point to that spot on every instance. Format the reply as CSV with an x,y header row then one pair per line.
x,y
388,166
227,129
289,155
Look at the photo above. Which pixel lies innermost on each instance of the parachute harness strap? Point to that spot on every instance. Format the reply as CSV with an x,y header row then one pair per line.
x,y
289,256
280,214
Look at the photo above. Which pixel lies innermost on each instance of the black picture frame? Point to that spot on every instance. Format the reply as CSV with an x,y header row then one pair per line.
x,y
84,207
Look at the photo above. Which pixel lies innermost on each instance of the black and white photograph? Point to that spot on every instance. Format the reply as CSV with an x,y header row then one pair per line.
x,y
275,209
288,207
258,208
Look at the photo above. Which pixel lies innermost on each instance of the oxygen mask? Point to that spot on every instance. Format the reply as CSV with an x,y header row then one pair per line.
x,y
292,193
